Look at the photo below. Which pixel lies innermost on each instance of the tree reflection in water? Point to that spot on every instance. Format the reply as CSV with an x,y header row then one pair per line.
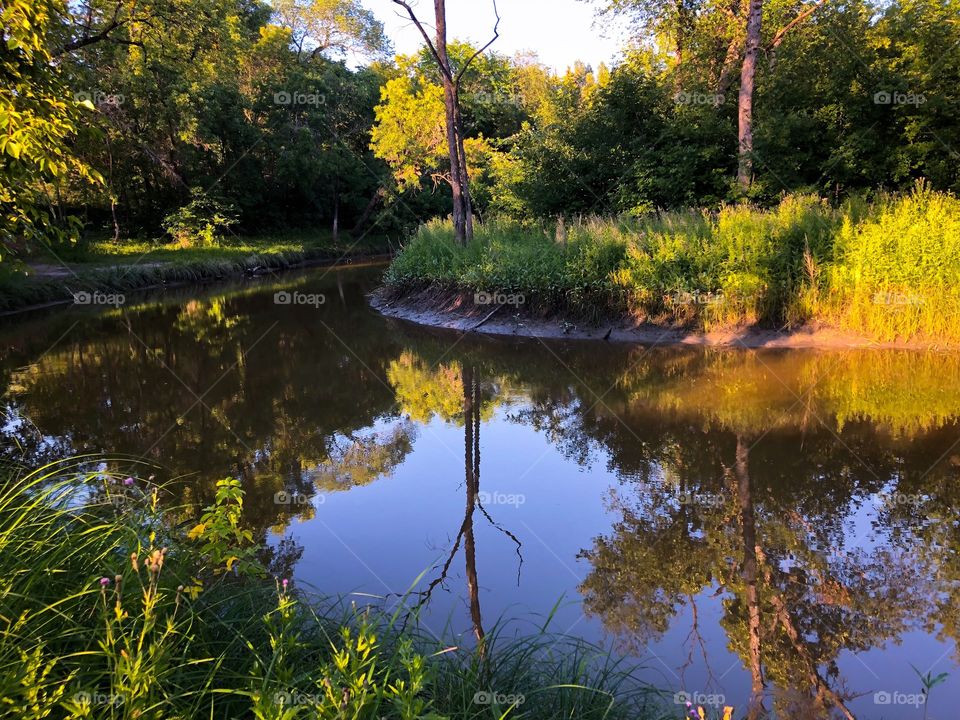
x,y
433,382
739,474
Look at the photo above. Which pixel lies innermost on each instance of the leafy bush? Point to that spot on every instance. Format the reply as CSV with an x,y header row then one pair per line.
x,y
201,222
897,273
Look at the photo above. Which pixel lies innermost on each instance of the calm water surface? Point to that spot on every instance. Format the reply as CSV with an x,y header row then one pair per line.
x,y
778,520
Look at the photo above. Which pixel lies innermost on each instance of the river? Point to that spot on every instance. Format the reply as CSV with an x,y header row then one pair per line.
x,y
778,521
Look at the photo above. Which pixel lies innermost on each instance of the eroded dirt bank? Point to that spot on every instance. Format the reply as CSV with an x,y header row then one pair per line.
x,y
458,311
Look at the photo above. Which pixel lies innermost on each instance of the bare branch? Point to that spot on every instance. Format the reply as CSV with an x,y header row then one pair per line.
x,y
496,34
433,50
87,38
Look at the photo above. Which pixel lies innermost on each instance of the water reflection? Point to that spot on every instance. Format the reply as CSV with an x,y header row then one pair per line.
x,y
795,511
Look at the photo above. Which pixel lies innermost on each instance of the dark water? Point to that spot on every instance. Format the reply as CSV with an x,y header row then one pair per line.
x,y
785,520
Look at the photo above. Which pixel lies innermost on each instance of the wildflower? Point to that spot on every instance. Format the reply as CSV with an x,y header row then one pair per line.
x,y
285,583
128,482
155,560
133,562
194,590
104,581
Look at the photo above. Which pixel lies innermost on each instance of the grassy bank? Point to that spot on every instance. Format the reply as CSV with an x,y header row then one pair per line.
x,y
112,607
889,268
111,268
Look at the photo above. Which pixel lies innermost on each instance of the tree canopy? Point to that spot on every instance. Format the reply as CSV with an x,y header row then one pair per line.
x,y
295,114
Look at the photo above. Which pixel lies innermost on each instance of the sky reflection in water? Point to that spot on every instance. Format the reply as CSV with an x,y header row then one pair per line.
x,y
769,521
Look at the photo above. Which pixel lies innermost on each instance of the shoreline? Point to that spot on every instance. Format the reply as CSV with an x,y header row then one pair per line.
x,y
453,311
55,291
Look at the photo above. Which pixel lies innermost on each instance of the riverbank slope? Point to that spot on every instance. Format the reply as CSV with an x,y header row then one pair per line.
x,y
883,273
110,270
455,311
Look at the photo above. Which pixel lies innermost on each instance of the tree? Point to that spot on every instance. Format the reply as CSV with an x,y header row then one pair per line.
x,y
748,73
409,132
340,26
747,76
451,78
716,29
263,114
39,119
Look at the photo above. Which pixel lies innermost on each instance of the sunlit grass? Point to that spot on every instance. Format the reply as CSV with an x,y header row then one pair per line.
x,y
104,251
897,273
889,269
109,267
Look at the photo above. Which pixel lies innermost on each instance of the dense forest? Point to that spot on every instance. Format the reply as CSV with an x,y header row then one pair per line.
x,y
197,118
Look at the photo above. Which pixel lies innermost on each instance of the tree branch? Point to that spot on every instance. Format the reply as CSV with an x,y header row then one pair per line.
x,y
86,40
89,39
778,38
433,51
496,34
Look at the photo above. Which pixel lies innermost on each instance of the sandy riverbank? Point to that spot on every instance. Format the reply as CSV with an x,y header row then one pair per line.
x,y
457,311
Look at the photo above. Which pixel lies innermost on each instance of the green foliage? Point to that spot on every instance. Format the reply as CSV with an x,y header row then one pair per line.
x,y
340,25
251,103
410,134
848,101
108,610
201,222
353,683
221,537
256,104
39,124
897,273
888,269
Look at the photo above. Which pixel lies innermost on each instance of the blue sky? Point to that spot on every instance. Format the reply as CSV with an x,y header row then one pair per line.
x,y
560,31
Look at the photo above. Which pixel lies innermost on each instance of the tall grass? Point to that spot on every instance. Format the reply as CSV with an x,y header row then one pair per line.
x,y
897,272
110,609
889,268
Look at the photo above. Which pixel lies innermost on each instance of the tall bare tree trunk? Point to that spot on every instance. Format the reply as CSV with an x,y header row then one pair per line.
x,y
471,442
459,182
745,101
464,181
459,177
749,532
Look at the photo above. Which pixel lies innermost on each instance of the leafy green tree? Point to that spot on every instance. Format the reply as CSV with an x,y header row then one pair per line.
x,y
331,26
261,114
409,134
39,121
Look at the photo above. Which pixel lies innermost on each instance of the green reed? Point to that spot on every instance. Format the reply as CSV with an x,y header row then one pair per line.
x,y
113,606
